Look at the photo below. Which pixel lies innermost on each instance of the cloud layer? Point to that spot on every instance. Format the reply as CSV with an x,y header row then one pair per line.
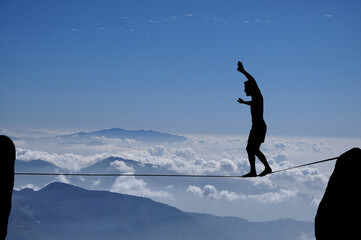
x,y
211,192
206,155
137,187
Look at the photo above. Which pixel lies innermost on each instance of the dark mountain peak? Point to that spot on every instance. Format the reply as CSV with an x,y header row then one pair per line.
x,y
38,164
139,167
140,135
25,193
61,187
27,190
105,165
110,130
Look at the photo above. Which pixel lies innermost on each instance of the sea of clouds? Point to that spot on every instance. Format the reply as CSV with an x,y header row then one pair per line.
x,y
289,194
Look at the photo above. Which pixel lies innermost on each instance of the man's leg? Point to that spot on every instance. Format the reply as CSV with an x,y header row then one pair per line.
x,y
252,160
263,159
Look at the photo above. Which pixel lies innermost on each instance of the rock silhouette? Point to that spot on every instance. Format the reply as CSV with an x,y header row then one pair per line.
x,y
339,211
7,161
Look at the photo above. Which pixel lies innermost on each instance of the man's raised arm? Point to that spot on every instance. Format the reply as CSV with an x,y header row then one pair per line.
x,y
245,73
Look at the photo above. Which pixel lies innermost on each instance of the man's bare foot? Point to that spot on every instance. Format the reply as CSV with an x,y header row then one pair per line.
x,y
250,174
268,170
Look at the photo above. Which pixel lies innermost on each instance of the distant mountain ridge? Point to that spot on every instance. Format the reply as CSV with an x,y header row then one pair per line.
x,y
103,166
63,211
37,165
140,135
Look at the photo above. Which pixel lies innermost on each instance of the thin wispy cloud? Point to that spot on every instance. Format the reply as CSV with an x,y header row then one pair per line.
x,y
128,23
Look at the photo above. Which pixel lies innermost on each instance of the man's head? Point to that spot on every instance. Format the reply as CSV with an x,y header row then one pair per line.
x,y
250,88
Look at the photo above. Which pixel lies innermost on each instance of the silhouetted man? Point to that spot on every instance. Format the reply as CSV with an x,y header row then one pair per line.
x,y
259,127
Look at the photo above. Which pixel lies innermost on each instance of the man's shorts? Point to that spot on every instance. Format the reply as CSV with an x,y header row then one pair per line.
x,y
257,133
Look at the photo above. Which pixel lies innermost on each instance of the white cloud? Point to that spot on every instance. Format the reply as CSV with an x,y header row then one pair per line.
x,y
73,162
122,167
137,187
96,182
280,145
195,190
262,181
306,180
62,178
211,192
230,196
157,151
280,158
186,153
229,166
274,197
188,15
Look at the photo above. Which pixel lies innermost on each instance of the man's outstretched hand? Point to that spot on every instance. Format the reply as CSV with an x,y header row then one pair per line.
x,y
240,67
240,100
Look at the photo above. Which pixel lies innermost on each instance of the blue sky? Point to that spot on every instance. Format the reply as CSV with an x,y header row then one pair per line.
x,y
171,65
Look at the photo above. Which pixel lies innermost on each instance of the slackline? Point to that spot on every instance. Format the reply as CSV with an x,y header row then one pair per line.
x,y
158,175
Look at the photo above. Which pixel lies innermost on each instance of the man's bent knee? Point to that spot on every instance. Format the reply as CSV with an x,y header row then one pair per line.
x,y
253,148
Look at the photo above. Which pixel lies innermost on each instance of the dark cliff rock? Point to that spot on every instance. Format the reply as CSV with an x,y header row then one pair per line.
x,y
339,212
7,160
